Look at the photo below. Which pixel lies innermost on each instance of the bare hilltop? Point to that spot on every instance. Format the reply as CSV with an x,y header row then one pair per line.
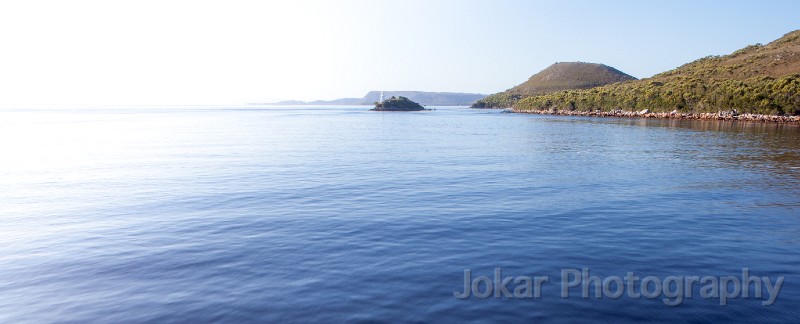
x,y
557,77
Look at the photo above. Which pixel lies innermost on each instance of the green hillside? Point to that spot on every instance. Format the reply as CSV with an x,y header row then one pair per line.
x,y
761,79
557,77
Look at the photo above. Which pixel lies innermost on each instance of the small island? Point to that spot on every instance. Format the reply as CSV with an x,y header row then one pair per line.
x,y
397,104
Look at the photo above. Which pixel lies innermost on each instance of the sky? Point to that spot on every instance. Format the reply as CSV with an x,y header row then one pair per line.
x,y
227,52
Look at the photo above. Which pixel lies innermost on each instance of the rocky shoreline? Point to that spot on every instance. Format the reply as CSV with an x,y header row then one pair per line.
x,y
729,116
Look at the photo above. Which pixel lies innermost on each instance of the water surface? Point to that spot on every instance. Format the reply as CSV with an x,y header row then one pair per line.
x,y
331,214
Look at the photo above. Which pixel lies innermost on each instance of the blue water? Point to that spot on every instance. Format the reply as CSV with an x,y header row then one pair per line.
x,y
337,214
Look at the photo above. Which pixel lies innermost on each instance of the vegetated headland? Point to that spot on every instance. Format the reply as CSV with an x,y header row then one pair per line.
x,y
755,83
555,78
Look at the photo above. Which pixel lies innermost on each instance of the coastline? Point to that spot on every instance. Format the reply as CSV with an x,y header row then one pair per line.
x,y
726,116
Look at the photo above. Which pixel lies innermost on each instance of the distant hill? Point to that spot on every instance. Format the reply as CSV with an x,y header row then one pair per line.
x,y
427,98
557,77
761,79
422,97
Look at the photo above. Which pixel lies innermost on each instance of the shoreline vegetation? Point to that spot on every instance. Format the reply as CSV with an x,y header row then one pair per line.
x,y
723,116
759,83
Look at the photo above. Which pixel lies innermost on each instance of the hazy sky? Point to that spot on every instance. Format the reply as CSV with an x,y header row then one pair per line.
x,y
194,52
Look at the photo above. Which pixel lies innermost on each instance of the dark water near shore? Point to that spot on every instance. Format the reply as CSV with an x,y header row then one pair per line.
x,y
340,214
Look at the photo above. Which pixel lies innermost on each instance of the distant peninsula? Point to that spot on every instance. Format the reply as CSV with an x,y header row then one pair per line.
x,y
422,97
397,104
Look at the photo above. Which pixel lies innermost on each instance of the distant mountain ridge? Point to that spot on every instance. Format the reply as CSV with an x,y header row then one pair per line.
x,y
422,97
557,77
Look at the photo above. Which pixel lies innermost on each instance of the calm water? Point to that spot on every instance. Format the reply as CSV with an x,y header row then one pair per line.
x,y
340,214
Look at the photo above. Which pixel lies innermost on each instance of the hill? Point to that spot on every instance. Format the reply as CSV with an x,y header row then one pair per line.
x,y
422,97
557,77
757,79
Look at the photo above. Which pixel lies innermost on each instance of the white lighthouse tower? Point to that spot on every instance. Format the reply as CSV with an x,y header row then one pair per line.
x,y
381,100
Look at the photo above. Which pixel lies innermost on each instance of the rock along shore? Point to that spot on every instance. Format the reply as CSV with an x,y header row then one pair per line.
x,y
731,116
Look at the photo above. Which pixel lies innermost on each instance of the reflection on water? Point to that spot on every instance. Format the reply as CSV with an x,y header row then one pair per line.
x,y
769,148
